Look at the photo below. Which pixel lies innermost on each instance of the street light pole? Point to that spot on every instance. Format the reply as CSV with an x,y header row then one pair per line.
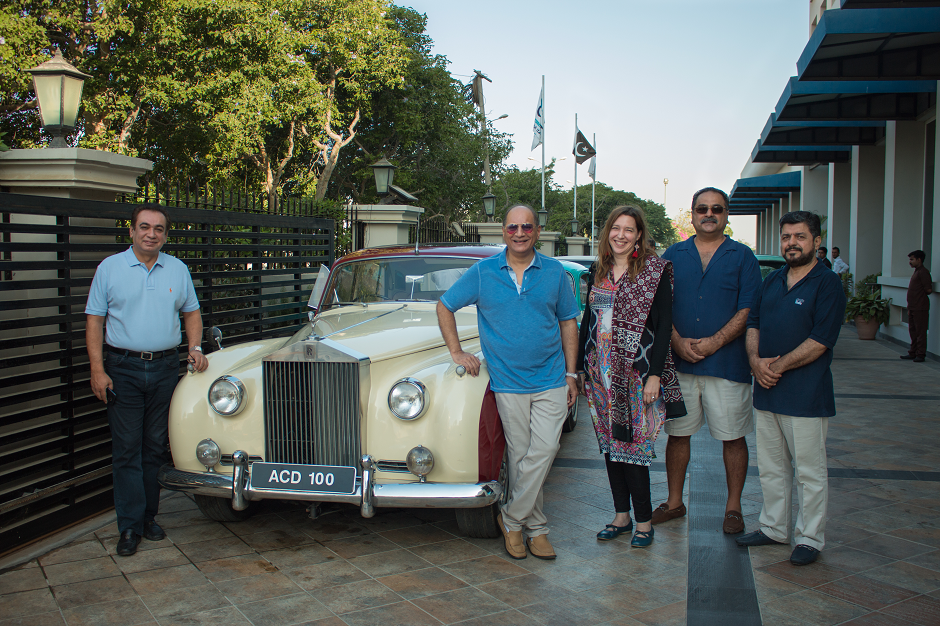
x,y
478,97
665,182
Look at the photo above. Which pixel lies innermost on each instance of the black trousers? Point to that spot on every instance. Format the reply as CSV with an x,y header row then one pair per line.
x,y
630,481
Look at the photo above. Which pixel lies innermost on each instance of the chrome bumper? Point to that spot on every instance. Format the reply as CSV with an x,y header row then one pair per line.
x,y
426,495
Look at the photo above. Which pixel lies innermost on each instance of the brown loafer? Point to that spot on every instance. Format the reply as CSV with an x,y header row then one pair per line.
x,y
663,513
541,547
734,523
513,540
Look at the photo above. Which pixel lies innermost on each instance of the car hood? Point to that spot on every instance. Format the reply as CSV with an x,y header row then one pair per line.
x,y
390,329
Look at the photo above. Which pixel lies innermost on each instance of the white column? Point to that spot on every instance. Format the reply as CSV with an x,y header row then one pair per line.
x,y
904,196
866,210
933,255
814,194
840,191
387,224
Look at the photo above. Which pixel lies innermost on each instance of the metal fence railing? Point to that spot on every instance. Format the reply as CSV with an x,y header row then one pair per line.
x,y
252,272
441,230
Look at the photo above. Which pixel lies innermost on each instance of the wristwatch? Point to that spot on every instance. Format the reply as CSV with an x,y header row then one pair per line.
x,y
571,375
196,348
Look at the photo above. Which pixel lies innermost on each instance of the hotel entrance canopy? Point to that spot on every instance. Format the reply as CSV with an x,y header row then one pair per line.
x,y
864,100
751,196
874,43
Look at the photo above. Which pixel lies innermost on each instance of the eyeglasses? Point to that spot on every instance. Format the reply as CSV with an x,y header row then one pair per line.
x,y
716,210
526,228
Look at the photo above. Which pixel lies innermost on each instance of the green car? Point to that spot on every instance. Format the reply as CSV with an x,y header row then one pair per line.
x,y
769,263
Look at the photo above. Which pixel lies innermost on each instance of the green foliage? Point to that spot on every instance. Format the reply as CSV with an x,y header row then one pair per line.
x,y
848,285
869,307
868,285
427,127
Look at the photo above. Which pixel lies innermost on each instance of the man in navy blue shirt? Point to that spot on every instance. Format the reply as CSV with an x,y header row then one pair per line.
x,y
529,334
791,331
716,279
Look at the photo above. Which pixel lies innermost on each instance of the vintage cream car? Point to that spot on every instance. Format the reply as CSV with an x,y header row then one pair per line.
x,y
363,405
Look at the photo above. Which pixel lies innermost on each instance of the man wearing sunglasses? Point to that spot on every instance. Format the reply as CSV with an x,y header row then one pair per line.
x,y
716,281
526,315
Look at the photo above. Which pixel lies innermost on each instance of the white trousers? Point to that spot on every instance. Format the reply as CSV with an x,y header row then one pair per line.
x,y
784,443
532,424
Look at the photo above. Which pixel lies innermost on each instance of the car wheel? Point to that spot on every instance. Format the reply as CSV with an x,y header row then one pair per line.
x,y
220,509
572,420
481,523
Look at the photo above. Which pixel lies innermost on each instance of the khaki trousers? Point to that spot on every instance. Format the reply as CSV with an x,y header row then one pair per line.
x,y
782,439
532,425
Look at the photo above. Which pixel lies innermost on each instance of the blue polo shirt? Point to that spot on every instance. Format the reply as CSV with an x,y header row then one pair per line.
x,y
813,309
703,302
142,307
518,331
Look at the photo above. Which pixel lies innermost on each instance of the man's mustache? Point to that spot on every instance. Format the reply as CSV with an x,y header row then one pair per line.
x,y
713,220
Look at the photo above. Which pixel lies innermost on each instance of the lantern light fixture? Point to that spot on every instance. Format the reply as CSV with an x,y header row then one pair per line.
x,y
384,175
58,86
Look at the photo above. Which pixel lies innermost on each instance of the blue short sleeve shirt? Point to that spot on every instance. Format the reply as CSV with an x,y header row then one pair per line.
x,y
518,331
142,308
704,301
813,309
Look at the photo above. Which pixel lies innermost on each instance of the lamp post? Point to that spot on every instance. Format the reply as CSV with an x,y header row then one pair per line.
x,y
384,175
574,227
543,218
58,86
489,205
665,182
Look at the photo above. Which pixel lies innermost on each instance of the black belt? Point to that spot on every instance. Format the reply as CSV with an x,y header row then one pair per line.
x,y
146,356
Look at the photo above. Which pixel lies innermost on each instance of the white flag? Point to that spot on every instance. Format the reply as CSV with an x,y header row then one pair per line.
x,y
592,167
538,128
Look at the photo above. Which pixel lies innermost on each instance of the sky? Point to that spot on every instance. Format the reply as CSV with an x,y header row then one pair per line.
x,y
676,89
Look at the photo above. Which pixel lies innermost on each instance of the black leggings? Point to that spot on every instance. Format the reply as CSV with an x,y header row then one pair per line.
x,y
626,481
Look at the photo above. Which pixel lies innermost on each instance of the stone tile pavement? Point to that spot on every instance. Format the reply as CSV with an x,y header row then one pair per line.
x,y
881,564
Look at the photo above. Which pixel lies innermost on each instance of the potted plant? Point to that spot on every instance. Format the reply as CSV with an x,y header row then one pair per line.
x,y
869,312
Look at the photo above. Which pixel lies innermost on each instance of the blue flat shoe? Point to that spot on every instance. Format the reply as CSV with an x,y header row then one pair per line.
x,y
612,532
642,539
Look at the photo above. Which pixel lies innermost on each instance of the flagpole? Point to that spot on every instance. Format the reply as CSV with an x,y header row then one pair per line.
x,y
593,181
543,144
575,170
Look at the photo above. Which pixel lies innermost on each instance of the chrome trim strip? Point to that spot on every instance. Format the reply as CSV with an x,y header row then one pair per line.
x,y
406,495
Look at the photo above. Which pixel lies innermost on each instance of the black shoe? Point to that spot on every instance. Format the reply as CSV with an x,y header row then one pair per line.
x,y
127,545
756,538
907,357
153,532
612,532
919,359
803,555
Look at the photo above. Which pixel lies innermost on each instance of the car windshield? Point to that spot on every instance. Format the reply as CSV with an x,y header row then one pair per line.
x,y
422,279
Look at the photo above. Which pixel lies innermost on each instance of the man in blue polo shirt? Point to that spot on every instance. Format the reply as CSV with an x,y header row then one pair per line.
x,y
716,279
528,330
140,293
791,331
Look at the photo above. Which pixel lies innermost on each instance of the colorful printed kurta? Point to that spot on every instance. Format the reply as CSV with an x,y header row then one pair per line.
x,y
647,420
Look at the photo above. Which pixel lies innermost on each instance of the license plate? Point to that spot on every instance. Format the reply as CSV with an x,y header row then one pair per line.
x,y
293,477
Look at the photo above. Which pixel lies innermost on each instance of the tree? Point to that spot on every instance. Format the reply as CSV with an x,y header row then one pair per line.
x,y
213,89
427,126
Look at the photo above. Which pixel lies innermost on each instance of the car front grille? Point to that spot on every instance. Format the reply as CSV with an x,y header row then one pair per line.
x,y
311,412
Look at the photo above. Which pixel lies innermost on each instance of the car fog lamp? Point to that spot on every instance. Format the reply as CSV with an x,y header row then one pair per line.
x,y
420,462
227,396
408,398
208,453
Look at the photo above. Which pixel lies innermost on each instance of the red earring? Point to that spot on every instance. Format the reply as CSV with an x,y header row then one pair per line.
x,y
636,253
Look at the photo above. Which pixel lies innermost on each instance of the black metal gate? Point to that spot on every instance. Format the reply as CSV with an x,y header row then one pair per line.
x,y
252,272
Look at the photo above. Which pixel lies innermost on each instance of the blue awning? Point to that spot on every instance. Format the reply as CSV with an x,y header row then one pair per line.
x,y
867,100
810,133
874,44
752,196
800,155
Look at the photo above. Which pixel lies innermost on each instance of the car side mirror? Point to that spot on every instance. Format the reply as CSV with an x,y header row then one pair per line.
x,y
323,277
216,334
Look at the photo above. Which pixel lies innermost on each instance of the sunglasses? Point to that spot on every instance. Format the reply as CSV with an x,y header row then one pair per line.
x,y
716,210
526,228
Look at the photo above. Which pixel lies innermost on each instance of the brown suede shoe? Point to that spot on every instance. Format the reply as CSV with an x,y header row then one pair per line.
x,y
513,540
734,523
541,547
663,513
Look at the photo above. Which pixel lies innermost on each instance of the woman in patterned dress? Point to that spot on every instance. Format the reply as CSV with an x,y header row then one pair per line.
x,y
629,378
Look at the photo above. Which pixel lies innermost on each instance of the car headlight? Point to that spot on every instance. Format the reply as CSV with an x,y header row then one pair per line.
x,y
208,453
420,461
408,399
227,396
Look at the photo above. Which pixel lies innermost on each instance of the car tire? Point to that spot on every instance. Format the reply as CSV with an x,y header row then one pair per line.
x,y
220,509
481,523
572,419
